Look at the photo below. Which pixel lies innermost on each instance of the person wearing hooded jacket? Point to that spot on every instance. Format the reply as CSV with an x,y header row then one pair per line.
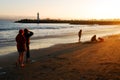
x,y
27,35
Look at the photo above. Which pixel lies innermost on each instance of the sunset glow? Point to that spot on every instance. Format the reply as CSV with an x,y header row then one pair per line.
x,y
60,9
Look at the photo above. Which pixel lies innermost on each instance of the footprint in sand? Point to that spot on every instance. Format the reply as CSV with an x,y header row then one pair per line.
x,y
2,73
1,68
32,61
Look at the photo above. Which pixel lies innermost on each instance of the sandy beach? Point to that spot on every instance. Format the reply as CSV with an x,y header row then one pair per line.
x,y
74,61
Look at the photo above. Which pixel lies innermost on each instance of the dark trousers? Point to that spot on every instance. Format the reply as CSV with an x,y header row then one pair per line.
x,y
27,52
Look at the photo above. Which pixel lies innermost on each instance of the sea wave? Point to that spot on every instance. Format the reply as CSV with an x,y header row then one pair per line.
x,y
31,28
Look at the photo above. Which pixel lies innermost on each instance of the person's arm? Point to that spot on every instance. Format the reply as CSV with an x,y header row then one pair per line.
x,y
30,33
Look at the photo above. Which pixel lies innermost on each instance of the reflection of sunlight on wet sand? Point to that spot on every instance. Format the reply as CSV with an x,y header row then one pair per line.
x,y
44,43
8,50
41,45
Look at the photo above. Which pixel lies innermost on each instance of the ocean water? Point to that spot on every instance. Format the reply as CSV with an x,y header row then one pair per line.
x,y
46,35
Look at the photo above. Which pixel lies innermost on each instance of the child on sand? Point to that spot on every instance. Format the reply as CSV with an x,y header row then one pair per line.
x,y
93,39
100,39
21,48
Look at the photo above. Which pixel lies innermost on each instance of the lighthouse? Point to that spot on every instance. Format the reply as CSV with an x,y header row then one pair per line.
x,y
38,19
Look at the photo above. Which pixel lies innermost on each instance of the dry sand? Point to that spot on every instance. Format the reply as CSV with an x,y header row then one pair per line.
x,y
75,61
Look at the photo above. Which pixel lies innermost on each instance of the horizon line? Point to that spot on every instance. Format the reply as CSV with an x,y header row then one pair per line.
x,y
34,17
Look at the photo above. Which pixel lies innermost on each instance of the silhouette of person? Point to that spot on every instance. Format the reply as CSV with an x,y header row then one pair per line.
x,y
21,47
27,35
79,35
100,39
93,39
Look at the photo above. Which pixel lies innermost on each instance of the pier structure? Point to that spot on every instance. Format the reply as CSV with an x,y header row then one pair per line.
x,y
38,18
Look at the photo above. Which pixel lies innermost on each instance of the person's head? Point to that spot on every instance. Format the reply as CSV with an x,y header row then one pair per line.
x,y
21,31
94,35
26,30
80,30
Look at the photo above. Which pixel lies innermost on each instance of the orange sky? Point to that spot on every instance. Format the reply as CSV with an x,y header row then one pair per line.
x,y
60,9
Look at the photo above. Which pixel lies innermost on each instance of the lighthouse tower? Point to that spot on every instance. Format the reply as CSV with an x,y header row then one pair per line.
x,y
38,19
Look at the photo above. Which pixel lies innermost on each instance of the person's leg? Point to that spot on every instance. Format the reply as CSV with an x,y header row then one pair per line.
x,y
22,59
18,62
79,38
27,54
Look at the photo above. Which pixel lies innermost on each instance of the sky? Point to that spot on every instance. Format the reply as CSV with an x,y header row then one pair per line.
x,y
60,9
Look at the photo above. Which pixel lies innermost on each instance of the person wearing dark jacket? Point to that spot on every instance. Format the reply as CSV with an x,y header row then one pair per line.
x,y
21,47
27,35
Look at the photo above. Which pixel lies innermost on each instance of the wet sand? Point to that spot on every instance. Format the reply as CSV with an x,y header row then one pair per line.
x,y
74,61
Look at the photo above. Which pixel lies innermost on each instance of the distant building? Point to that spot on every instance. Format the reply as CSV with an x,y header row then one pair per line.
x,y
38,17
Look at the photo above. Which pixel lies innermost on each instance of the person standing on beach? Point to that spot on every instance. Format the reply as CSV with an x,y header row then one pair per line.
x,y
21,47
79,35
27,35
